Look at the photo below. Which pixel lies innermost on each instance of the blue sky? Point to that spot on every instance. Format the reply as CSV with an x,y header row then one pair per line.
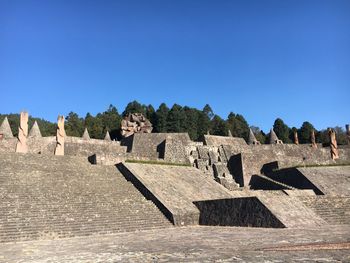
x,y
262,59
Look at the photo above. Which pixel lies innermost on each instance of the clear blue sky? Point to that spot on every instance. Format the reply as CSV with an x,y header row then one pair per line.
x,y
262,59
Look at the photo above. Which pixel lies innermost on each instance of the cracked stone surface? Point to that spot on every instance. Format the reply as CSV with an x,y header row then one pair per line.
x,y
191,244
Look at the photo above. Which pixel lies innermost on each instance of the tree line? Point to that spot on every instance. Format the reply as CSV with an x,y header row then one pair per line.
x,y
178,118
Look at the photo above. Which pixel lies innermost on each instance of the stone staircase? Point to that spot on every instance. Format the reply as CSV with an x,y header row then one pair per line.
x,y
290,211
335,210
45,197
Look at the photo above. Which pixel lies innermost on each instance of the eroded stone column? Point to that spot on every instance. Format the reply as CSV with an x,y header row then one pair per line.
x,y
296,139
333,144
60,136
313,139
21,146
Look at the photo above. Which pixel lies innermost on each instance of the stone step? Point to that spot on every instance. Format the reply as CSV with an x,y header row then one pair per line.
x,y
333,209
14,237
290,211
40,194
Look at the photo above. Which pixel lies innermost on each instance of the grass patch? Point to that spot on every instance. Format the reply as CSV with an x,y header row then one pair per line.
x,y
158,163
312,165
322,165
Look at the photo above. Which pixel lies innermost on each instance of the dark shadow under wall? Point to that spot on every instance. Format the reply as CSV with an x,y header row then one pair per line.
x,y
246,211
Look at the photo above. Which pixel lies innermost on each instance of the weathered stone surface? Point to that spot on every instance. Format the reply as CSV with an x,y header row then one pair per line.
x,y
108,152
5,129
213,140
286,155
48,197
35,131
201,164
221,170
213,157
203,152
175,187
191,244
296,139
273,138
21,146
107,137
175,151
135,123
247,211
152,146
252,140
60,136
334,210
313,139
329,180
333,144
86,135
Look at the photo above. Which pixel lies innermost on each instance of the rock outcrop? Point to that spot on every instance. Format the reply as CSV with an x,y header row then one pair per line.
x,y
135,123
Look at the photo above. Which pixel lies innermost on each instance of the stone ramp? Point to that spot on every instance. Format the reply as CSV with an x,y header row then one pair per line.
x,y
290,211
175,188
335,210
333,180
44,197
187,196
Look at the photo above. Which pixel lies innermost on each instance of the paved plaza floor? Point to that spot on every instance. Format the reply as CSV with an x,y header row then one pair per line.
x,y
191,244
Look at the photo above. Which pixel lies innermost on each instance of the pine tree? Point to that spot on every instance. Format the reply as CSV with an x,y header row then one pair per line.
x,y
304,132
238,125
161,116
218,126
282,130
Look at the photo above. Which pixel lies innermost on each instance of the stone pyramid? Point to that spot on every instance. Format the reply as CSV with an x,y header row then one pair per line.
x,y
86,135
35,131
229,133
107,137
252,139
5,129
273,138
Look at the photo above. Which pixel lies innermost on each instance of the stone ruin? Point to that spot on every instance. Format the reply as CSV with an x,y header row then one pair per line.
x,y
35,131
223,182
135,123
296,139
21,146
86,135
252,140
313,139
60,136
333,144
273,138
5,129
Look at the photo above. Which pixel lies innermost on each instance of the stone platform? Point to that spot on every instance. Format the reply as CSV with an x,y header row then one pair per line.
x,y
191,244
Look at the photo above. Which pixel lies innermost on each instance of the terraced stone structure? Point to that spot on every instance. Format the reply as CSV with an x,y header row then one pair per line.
x,y
151,181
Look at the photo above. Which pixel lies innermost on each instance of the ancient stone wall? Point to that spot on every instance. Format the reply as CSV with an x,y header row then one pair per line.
x,y
249,212
213,140
287,155
108,152
43,145
8,145
323,180
175,152
151,146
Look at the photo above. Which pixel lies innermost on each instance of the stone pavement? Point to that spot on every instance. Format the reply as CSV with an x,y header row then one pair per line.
x,y
191,244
